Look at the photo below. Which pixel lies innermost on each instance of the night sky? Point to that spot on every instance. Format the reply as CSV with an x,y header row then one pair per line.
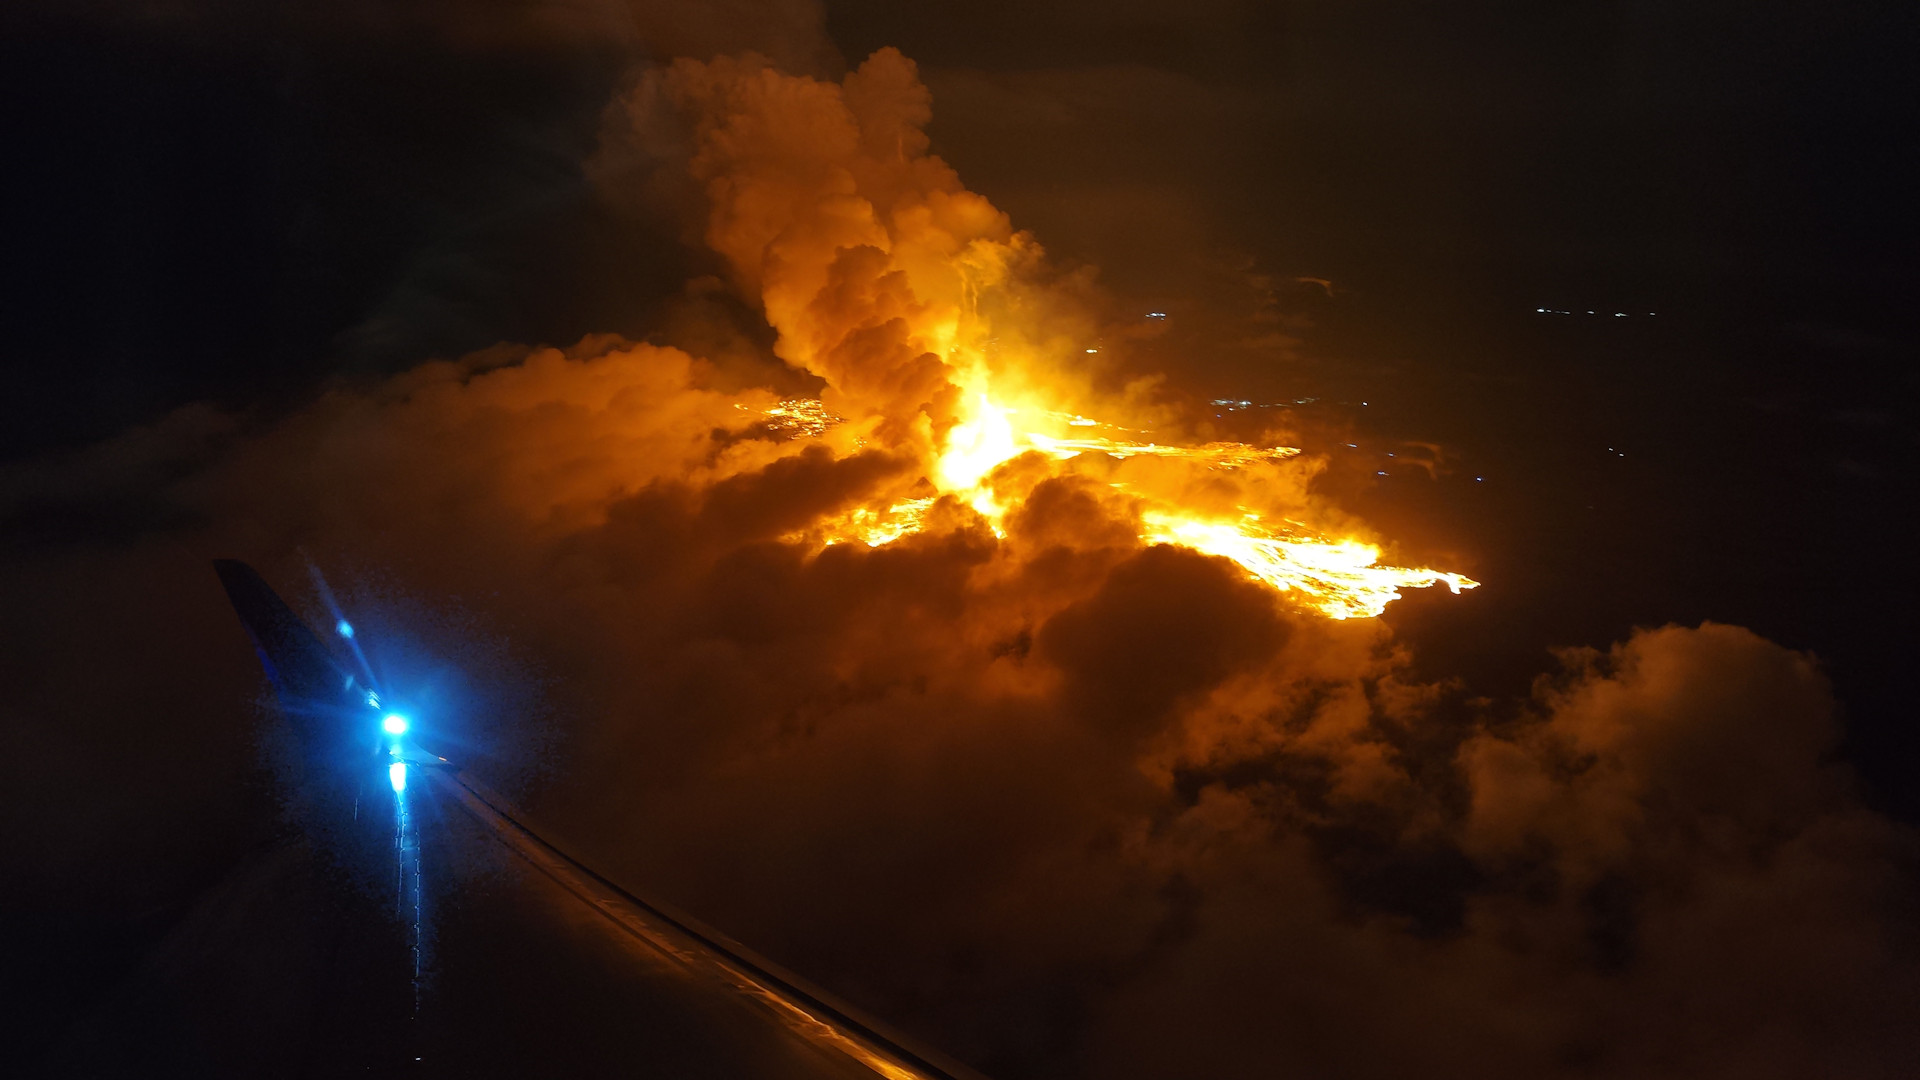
x,y
231,235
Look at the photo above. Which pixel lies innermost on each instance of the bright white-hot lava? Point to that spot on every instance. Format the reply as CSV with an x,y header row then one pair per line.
x,y
1340,578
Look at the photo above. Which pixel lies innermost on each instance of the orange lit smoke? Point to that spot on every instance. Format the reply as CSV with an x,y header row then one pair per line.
x,y
943,339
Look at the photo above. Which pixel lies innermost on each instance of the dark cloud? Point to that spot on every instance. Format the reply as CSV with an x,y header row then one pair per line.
x,y
1164,625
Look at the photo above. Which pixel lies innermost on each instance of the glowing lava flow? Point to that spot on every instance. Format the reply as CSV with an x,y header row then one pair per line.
x,y
800,418
1339,578
1342,579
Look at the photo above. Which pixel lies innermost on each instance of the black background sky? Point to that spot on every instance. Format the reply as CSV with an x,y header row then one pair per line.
x,y
210,203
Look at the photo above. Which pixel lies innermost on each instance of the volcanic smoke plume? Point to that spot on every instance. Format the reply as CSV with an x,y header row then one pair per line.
x,y
943,341
985,689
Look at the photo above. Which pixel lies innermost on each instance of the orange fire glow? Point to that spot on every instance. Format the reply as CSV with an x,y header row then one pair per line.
x,y
1339,578
945,339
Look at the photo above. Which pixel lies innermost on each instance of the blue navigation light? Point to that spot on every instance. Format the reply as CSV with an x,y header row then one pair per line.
x,y
397,775
344,628
394,724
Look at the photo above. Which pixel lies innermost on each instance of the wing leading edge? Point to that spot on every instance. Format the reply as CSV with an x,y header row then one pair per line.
x,y
441,845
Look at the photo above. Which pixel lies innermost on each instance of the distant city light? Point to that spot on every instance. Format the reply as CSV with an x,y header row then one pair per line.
x,y
397,775
1565,311
344,628
1093,350
394,724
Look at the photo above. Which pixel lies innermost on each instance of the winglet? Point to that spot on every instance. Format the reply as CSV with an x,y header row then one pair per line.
x,y
301,669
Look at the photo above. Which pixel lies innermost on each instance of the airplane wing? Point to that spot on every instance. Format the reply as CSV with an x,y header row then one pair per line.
x,y
412,922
